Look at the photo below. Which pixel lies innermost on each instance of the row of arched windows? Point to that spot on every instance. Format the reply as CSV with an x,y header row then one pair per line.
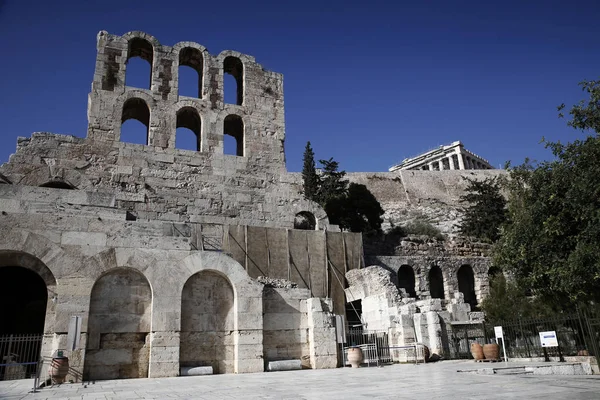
x,y
191,65
135,122
465,276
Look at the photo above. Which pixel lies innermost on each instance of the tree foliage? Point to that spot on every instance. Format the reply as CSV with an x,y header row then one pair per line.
x,y
310,178
351,206
332,185
552,241
486,210
357,211
508,301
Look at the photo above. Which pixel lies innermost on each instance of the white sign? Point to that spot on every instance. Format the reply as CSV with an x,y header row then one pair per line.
x,y
498,332
549,339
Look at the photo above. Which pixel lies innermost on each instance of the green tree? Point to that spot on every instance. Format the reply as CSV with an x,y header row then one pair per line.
x,y
333,185
310,178
486,210
357,211
508,301
552,238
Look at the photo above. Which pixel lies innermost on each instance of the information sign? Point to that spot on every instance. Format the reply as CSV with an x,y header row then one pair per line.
x,y
549,339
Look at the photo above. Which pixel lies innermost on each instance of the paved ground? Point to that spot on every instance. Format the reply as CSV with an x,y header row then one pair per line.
x,y
430,381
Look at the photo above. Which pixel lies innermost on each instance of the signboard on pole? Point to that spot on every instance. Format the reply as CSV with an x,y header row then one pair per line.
x,y
500,335
498,332
549,339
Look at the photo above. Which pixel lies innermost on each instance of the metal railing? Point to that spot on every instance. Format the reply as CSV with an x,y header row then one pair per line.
x,y
19,356
377,339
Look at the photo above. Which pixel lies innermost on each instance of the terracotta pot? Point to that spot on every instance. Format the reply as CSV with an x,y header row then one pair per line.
x,y
476,351
59,368
491,351
355,356
583,353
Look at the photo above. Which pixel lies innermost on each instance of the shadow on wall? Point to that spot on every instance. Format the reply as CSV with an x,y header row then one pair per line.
x,y
285,334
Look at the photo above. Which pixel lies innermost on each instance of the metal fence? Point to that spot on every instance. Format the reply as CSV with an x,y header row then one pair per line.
x,y
19,356
578,334
380,348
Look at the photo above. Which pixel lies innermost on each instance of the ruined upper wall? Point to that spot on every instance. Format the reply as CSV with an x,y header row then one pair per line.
x,y
256,121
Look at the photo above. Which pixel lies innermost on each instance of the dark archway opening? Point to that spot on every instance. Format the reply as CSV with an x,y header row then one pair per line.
x,y
436,283
305,220
189,129
233,78
57,184
406,280
135,132
138,72
23,301
466,285
233,126
190,72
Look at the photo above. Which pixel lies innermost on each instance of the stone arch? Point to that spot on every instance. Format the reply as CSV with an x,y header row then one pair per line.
x,y
189,117
137,109
406,280
234,66
139,45
25,266
119,325
247,306
305,220
303,205
233,125
56,177
207,323
466,284
436,282
192,57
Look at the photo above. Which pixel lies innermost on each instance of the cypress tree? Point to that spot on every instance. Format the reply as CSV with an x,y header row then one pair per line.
x,y
310,178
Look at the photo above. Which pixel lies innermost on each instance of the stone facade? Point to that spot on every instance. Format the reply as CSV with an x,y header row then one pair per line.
x,y
169,256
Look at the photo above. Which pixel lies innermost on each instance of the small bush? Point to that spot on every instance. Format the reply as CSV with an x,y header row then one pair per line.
x,y
417,227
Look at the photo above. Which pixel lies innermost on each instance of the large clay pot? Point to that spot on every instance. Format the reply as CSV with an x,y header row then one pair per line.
x,y
355,356
476,351
491,351
59,368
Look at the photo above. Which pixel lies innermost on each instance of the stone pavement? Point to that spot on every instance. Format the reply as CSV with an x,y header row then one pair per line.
x,y
426,381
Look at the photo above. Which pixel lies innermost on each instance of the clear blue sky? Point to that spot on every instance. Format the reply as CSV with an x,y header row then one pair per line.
x,y
368,83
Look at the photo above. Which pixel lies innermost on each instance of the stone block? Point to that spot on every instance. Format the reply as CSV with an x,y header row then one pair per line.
x,y
284,365
195,371
83,239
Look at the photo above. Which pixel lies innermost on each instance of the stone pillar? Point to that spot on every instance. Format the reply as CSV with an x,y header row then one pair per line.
x,y
461,161
451,161
321,334
441,164
431,166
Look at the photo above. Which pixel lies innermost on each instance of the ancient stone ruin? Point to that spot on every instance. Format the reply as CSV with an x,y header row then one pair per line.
x,y
173,259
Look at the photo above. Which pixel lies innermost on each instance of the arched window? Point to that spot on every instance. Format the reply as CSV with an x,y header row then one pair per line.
x,y
135,132
189,129
406,280
305,220
466,285
233,77
139,64
190,72
233,126
436,282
